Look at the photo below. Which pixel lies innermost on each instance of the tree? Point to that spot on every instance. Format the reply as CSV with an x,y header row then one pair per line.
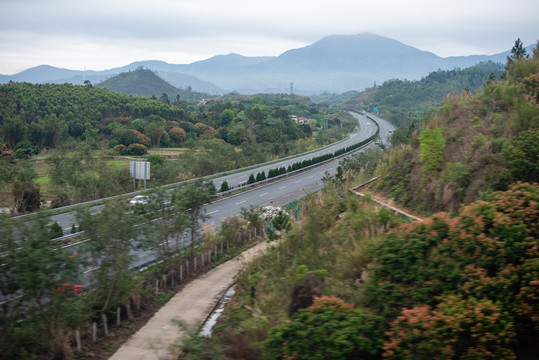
x,y
518,52
456,328
280,223
154,131
191,199
475,268
137,149
115,233
224,186
163,226
132,136
251,179
13,130
27,197
522,156
164,99
32,272
328,329
226,117
432,145
24,149
156,159
253,216
55,230
531,86
177,134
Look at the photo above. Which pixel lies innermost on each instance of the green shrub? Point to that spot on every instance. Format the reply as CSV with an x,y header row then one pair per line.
x,y
137,149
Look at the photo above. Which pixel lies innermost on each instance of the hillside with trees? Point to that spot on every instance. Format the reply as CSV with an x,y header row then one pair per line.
x,y
352,280
469,147
76,130
143,82
405,101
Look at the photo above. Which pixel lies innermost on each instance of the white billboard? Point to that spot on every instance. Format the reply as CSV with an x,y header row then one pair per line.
x,y
140,169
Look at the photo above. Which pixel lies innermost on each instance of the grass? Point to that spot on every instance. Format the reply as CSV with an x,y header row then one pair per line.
x,y
118,164
168,152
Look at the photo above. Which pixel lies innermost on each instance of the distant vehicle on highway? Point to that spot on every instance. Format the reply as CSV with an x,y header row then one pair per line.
x,y
139,199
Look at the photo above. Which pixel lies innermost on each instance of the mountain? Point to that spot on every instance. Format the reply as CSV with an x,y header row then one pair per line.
x,y
142,82
334,64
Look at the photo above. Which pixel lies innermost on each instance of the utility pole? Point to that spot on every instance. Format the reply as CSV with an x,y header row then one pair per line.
x,y
291,88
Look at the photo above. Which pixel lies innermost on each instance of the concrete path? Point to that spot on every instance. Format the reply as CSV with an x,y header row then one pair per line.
x,y
160,337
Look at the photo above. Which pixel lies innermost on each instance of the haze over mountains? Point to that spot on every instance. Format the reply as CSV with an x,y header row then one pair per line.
x,y
336,64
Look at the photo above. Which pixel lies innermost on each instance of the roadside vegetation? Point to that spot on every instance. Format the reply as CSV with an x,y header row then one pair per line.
x,y
355,281
50,291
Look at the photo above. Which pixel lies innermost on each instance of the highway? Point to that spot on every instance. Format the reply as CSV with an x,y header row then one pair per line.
x,y
278,192
282,191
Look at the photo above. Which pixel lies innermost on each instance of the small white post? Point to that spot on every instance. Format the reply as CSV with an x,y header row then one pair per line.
x,y
105,324
118,311
77,338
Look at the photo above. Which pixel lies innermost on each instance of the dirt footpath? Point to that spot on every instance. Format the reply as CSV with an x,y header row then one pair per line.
x,y
160,337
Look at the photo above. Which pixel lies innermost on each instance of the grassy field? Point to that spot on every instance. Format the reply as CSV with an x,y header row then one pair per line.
x,y
168,152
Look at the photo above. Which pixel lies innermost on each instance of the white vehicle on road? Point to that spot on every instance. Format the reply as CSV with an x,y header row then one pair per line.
x,y
139,199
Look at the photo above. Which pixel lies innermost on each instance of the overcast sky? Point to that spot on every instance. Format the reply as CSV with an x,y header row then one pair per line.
x,y
99,34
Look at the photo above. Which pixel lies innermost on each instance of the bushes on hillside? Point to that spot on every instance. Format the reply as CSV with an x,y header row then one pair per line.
x,y
329,329
464,286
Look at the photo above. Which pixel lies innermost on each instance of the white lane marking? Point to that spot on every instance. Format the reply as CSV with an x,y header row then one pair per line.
x,y
297,182
310,177
213,212
263,194
242,176
241,202
282,187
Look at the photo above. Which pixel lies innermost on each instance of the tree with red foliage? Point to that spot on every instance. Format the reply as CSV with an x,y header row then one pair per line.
x,y
486,259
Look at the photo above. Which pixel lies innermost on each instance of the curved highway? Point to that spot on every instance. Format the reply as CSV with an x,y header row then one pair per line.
x,y
285,190
279,192
366,129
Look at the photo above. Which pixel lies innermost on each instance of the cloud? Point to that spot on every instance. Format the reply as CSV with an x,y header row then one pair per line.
x,y
97,33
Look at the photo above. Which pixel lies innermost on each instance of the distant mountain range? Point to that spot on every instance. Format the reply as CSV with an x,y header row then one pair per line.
x,y
336,64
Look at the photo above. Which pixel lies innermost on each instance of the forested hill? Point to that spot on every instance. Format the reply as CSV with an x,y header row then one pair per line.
x,y
470,146
397,100
143,82
48,114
